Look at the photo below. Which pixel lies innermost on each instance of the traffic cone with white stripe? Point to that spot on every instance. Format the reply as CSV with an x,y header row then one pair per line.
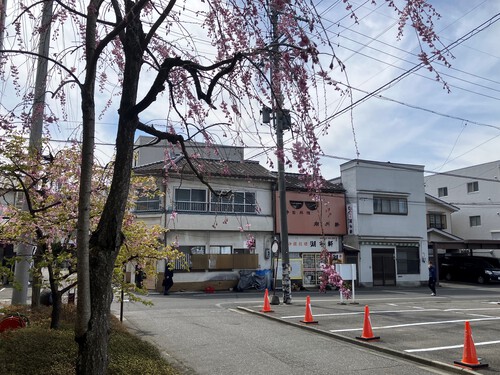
x,y
308,317
367,334
469,356
267,305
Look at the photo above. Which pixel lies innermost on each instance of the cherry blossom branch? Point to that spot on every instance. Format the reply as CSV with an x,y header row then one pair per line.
x,y
37,55
159,21
179,139
192,68
80,14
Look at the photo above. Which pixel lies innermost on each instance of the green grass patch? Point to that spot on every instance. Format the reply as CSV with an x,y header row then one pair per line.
x,y
38,350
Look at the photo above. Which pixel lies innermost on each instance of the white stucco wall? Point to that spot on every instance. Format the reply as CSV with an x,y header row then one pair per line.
x,y
362,182
365,179
484,203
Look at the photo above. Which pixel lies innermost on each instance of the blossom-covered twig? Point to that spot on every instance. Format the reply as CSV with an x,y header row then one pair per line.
x,y
330,275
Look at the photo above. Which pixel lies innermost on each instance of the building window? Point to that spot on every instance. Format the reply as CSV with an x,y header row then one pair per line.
x,y
407,260
190,200
443,192
242,202
19,199
437,221
472,187
390,206
147,203
220,250
475,221
194,250
221,203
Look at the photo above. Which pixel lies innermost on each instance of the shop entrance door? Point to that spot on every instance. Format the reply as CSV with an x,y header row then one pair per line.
x,y
384,267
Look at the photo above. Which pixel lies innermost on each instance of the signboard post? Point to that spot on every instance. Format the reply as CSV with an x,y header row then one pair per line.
x,y
347,272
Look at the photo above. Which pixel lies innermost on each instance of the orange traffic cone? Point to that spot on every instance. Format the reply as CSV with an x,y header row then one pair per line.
x,y
267,305
469,357
367,334
308,317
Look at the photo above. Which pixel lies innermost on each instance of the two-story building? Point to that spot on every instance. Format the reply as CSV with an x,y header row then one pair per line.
x,y
315,221
475,191
386,221
227,222
223,225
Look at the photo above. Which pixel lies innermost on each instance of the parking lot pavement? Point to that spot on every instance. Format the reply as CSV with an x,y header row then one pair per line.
x,y
409,322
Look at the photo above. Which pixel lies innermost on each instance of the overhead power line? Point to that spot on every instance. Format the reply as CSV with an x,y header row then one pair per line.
x,y
452,45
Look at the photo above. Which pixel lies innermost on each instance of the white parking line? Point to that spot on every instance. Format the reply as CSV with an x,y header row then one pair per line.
x,y
418,324
416,309
237,311
361,312
475,309
450,347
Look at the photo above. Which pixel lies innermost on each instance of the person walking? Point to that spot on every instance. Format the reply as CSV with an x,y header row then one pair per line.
x,y
432,278
140,275
168,280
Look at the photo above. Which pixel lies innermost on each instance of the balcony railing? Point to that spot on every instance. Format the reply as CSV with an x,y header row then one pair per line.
x,y
191,206
145,206
222,262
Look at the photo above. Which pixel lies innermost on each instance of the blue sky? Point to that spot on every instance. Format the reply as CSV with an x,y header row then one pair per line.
x,y
414,121
418,122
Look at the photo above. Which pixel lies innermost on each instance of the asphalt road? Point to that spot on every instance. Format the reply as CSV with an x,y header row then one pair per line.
x,y
225,333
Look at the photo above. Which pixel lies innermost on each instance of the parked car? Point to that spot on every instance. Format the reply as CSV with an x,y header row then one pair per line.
x,y
470,268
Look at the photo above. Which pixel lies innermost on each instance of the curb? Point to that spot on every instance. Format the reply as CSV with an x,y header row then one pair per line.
x,y
368,345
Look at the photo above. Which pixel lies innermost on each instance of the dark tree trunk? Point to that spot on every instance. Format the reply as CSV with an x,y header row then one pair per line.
x,y
104,246
56,310
106,241
56,300
93,346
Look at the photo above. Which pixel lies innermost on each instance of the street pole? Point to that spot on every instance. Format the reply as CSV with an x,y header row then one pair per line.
x,y
24,251
278,121
3,7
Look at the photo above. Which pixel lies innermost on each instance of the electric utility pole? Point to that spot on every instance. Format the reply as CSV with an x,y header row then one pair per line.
x,y
25,251
280,124
3,7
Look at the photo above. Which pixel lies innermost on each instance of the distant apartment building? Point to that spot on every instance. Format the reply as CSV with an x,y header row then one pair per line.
x,y
439,223
475,191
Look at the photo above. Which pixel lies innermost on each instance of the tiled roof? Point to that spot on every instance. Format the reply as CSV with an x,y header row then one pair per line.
x,y
229,169
234,169
297,182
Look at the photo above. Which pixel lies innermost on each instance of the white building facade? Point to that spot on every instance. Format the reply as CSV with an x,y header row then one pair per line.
x,y
386,221
476,192
223,226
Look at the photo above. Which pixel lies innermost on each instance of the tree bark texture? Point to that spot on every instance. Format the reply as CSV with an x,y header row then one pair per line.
x,y
105,242
55,321
93,346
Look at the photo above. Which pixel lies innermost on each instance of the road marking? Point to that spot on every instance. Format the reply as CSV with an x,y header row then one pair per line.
x,y
416,309
418,324
361,312
481,315
237,311
450,347
475,309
